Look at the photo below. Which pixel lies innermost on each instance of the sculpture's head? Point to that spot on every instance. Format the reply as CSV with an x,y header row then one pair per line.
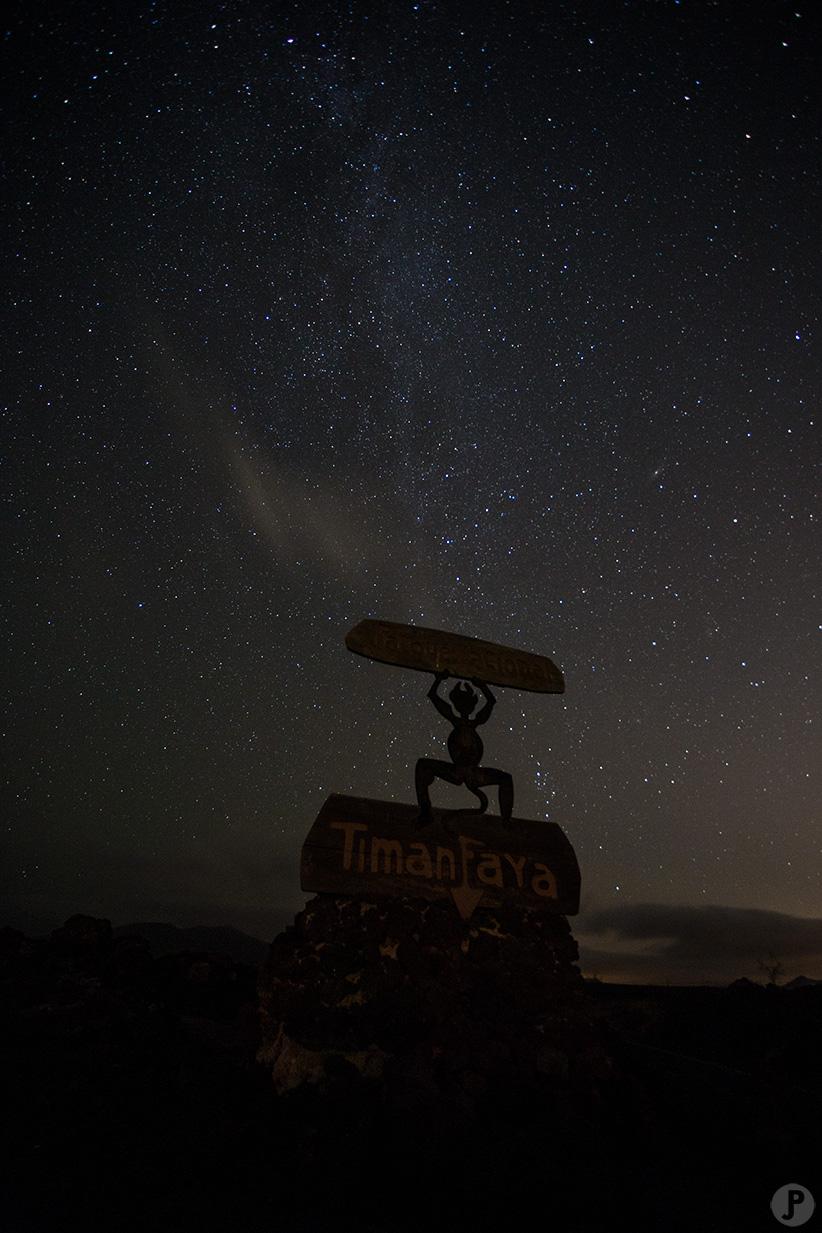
x,y
463,698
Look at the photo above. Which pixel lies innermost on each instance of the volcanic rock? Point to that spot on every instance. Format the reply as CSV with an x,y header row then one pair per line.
x,y
434,1017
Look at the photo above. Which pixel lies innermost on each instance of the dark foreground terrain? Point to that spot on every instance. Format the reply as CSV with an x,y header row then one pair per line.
x,y
132,1100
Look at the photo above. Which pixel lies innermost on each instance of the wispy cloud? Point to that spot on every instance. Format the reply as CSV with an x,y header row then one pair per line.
x,y
305,520
336,528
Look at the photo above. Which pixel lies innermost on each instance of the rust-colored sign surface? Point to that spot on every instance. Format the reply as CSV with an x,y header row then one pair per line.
x,y
362,847
433,650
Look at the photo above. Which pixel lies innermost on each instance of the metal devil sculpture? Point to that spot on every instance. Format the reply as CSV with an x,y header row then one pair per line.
x,y
466,749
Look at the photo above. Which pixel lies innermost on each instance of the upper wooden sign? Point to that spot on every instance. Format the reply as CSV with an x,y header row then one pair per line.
x,y
361,847
432,650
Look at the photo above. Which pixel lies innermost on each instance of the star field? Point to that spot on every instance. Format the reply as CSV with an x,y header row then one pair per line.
x,y
494,318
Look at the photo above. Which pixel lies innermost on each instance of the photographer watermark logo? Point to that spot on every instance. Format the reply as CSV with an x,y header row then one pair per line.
x,y
792,1204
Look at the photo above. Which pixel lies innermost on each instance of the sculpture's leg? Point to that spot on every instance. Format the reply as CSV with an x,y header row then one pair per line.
x,y
426,771
506,797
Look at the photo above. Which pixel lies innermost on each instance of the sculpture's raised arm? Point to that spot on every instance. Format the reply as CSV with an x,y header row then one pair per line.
x,y
490,702
442,706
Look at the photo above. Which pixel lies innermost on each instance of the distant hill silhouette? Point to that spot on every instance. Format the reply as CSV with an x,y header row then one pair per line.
x,y
216,939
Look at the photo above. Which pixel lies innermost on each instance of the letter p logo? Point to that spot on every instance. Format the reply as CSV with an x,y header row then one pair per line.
x,y
792,1204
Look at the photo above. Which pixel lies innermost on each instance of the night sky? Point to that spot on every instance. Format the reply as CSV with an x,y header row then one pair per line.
x,y
495,318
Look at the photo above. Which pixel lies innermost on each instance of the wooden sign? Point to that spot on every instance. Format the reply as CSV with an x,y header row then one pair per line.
x,y
432,650
361,847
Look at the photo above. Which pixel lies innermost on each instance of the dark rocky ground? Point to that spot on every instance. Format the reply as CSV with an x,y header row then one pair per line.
x,y
132,1099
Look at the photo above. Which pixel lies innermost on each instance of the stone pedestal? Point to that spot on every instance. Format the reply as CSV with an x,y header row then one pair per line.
x,y
437,1018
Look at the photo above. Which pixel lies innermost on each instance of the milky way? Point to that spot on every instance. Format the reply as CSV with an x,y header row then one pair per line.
x,y
500,319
